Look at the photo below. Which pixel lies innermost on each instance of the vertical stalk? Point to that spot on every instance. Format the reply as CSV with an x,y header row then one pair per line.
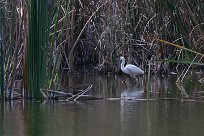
x,y
1,55
57,49
148,81
16,49
112,32
36,52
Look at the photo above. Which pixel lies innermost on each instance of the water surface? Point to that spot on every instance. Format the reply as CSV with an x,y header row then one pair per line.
x,y
132,115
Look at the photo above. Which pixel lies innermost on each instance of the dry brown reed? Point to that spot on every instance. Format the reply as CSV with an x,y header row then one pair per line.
x,y
95,33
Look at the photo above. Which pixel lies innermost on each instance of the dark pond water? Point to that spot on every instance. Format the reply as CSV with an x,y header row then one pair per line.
x,y
172,110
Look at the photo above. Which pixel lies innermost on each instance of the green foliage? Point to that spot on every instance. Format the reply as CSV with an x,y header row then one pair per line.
x,y
37,49
182,62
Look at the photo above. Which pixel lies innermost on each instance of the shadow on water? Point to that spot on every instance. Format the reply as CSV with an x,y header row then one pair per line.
x,y
132,115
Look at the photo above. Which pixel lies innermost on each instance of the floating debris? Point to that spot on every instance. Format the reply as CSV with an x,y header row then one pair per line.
x,y
74,93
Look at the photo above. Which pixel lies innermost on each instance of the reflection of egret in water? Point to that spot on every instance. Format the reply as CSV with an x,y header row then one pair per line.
x,y
132,99
132,91
132,94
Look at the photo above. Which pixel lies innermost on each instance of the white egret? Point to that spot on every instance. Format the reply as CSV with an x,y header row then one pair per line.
x,y
130,69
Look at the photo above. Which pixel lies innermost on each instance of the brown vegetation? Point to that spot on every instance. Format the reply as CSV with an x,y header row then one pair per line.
x,y
73,33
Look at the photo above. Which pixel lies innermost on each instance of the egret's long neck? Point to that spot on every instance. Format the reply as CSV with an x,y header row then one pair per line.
x,y
122,65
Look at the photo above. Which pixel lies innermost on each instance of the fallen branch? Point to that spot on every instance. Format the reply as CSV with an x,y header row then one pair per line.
x,y
75,97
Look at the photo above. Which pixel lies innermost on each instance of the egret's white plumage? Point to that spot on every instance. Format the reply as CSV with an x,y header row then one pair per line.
x,y
130,69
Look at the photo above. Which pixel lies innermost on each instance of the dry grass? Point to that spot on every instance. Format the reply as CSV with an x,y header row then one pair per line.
x,y
96,33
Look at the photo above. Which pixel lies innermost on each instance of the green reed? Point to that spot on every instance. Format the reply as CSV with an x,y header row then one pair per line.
x,y
37,48
59,37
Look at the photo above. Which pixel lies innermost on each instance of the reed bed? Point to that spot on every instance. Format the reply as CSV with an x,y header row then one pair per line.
x,y
41,40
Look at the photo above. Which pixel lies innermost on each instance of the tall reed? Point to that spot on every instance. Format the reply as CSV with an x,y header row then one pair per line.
x,y
1,54
59,37
37,48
